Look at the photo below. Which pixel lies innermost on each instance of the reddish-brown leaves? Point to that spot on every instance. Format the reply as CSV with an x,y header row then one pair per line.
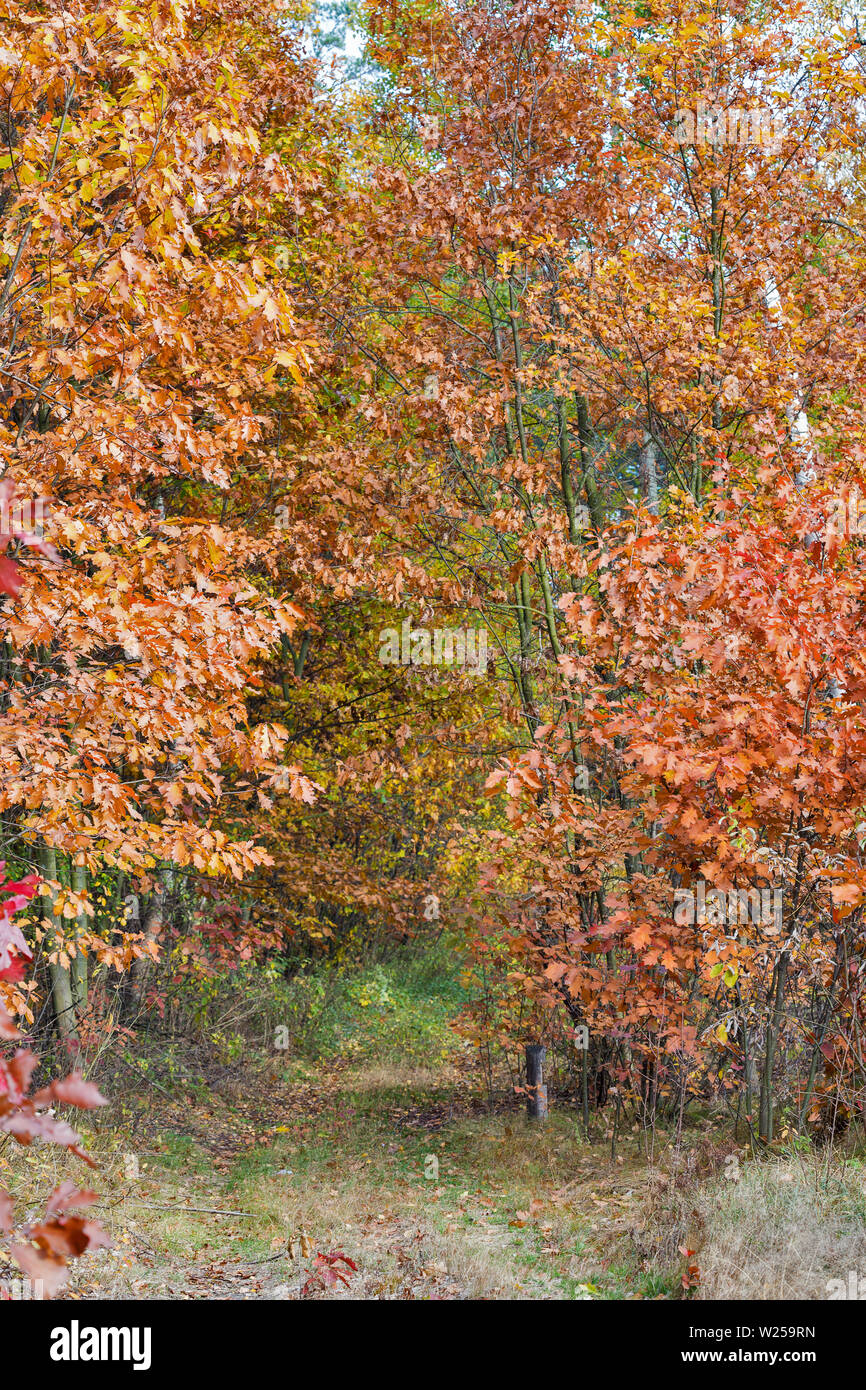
x,y
26,1117
59,1238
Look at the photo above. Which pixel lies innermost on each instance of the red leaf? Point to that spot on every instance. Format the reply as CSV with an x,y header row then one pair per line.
x,y
12,945
8,1031
15,1075
72,1090
68,1195
51,1269
10,578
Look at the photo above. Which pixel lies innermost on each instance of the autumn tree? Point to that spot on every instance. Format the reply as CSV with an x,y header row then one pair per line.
x,y
615,347
145,333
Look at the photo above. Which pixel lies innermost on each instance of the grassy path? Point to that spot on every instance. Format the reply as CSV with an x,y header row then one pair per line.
x,y
399,1169
223,1178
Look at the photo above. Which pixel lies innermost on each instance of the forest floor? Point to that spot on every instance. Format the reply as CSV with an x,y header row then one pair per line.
x,y
227,1181
401,1169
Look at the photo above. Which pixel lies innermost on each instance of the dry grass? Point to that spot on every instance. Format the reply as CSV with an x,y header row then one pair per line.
x,y
516,1211
776,1228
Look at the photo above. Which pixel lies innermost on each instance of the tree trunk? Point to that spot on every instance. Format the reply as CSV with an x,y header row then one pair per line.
x,y
536,1091
152,928
79,964
62,997
766,1103
648,474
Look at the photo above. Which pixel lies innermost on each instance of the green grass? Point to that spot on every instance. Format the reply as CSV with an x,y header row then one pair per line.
x,y
337,1133
401,1007
180,1153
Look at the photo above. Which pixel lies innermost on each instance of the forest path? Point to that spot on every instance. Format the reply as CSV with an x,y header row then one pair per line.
x,y
402,1169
